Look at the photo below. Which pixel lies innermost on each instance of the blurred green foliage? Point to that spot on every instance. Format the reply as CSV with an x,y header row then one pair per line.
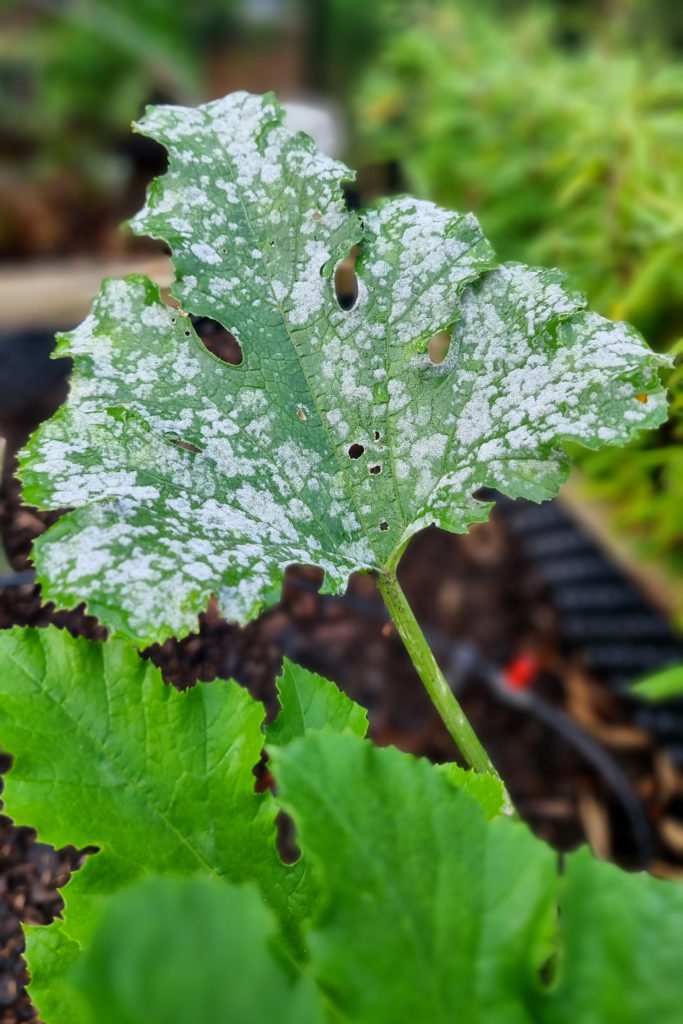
x,y
80,69
344,37
562,129
663,685
75,73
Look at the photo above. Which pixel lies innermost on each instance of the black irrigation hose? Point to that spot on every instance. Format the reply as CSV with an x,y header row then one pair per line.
x,y
582,741
463,659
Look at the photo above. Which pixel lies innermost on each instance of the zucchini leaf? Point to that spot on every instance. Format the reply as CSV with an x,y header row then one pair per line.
x,y
337,437
106,755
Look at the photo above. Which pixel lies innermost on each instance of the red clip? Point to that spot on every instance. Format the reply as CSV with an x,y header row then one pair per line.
x,y
521,671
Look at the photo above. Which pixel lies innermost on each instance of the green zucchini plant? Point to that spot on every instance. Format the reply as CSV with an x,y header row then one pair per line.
x,y
418,895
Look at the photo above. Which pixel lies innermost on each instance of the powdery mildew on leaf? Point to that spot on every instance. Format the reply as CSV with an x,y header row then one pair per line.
x,y
257,225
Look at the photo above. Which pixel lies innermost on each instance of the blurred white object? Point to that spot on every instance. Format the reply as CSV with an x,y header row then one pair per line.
x,y
262,12
319,121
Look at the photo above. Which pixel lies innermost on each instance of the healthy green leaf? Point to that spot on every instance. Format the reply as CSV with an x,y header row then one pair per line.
x,y
161,781
661,686
336,438
425,909
309,702
171,951
487,789
52,958
620,948
430,912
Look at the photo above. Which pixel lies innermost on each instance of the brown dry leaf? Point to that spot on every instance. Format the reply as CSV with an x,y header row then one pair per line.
x,y
623,737
596,825
669,778
671,832
660,869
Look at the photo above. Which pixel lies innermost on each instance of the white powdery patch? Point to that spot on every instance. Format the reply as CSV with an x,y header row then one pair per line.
x,y
298,464
307,291
181,226
220,286
399,397
352,389
427,449
238,602
86,555
156,316
205,253
280,290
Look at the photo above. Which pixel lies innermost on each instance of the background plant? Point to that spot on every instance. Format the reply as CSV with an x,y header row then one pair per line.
x,y
75,73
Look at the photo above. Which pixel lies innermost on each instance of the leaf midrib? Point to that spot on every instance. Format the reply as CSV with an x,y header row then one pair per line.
x,y
278,306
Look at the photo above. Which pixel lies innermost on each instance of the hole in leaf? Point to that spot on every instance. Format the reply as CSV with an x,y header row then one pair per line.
x,y
220,342
377,435
384,525
187,446
285,839
263,775
438,346
345,280
271,244
375,470
317,216
285,828
356,450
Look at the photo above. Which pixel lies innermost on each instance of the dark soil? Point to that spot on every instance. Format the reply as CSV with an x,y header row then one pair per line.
x,y
483,607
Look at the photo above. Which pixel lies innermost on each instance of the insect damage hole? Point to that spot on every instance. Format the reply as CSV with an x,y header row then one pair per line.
x,y
375,470
384,525
345,280
438,346
356,450
219,341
